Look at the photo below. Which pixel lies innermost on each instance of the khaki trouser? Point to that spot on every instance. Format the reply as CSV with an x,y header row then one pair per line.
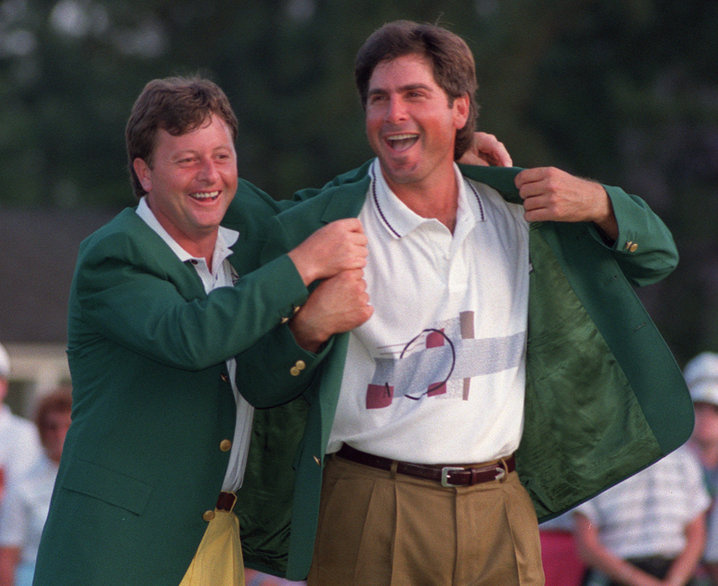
x,y
378,527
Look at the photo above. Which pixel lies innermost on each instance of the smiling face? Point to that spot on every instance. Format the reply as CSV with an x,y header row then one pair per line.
x,y
410,123
190,182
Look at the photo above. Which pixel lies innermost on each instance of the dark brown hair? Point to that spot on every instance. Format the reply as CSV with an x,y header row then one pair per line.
x,y
57,401
452,62
176,105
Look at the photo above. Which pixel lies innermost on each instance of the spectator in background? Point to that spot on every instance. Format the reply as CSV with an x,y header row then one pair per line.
x,y
24,509
19,444
701,375
648,529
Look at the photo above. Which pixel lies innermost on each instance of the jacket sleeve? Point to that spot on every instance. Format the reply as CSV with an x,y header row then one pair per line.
x,y
645,249
158,308
276,370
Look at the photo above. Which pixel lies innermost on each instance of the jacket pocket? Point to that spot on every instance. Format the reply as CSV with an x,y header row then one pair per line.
x,y
109,486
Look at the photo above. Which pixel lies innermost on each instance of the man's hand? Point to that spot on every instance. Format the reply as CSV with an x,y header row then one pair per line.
x,y
337,305
550,194
486,150
338,246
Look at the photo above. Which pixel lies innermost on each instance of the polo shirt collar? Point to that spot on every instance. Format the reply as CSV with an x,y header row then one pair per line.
x,y
399,220
225,237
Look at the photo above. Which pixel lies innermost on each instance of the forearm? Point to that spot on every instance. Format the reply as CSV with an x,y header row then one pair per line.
x,y
596,555
176,323
684,566
620,570
337,305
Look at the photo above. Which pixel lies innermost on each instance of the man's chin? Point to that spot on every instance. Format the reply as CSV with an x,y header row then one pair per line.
x,y
399,172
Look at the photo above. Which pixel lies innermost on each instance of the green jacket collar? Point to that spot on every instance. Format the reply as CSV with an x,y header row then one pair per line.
x,y
350,196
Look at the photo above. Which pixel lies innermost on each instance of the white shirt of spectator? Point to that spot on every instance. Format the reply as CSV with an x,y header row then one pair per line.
x,y
19,445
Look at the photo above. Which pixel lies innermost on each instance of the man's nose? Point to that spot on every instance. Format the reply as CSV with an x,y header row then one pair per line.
x,y
208,171
396,110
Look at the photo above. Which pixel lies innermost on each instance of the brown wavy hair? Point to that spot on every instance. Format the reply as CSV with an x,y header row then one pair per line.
x,y
452,62
176,105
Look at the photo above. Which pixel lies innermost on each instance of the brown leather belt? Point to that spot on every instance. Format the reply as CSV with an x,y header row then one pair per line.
x,y
448,475
225,501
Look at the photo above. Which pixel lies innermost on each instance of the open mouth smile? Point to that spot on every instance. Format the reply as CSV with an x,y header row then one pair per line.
x,y
401,142
205,195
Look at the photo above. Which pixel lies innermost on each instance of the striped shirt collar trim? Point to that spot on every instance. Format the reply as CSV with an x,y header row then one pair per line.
x,y
396,216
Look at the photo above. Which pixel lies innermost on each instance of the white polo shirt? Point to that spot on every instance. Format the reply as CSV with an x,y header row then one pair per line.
x,y
437,374
223,276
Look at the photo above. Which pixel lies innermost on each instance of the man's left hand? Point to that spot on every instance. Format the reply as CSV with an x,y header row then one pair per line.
x,y
486,150
550,194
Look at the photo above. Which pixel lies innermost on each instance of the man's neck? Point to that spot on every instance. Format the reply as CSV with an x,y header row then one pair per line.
x,y
199,245
435,197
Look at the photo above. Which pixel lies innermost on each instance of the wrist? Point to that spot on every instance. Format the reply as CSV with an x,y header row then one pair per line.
x,y
305,335
605,218
303,265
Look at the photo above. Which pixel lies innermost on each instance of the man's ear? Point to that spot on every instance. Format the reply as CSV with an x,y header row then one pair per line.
x,y
461,111
144,173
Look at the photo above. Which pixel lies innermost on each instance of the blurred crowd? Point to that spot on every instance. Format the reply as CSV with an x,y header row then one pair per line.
x,y
29,458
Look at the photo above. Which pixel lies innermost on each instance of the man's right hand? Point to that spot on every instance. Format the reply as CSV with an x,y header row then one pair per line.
x,y
338,304
338,246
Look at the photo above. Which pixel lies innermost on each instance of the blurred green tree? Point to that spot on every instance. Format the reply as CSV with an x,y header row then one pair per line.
x,y
622,90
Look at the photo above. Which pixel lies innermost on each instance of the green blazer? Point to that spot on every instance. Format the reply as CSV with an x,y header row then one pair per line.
x,y
144,456
604,396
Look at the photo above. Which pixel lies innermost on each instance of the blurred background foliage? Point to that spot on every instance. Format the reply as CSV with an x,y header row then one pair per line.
x,y
625,91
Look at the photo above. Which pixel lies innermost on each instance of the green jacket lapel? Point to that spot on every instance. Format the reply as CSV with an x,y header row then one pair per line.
x,y
154,253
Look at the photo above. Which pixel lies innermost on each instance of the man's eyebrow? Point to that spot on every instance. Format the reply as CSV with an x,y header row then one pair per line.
x,y
403,88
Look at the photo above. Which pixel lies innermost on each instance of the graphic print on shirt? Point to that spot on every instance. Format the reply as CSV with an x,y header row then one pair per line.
x,y
440,362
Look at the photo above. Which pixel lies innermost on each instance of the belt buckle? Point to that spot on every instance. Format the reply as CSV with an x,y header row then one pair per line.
x,y
445,471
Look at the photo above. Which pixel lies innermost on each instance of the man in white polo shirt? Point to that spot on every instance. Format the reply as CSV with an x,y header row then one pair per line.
x,y
504,322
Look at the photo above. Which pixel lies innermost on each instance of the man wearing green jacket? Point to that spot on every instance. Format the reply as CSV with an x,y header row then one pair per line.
x,y
162,300
508,371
